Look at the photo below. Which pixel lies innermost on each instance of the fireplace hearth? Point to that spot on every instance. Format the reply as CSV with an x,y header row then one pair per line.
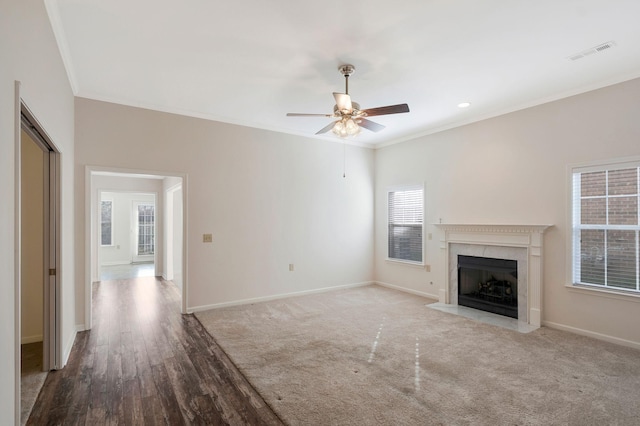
x,y
488,284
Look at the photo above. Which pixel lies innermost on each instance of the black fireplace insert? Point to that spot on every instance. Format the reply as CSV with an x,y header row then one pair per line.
x,y
488,284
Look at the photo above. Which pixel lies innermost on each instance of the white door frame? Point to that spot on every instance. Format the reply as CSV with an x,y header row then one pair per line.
x,y
52,315
170,197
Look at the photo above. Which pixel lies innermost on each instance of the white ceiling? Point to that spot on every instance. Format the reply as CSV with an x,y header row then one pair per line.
x,y
250,62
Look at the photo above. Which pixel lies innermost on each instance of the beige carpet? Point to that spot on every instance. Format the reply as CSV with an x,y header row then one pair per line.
x,y
373,355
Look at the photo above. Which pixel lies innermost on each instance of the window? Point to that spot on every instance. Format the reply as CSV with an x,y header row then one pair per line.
x,y
106,221
605,226
405,224
146,221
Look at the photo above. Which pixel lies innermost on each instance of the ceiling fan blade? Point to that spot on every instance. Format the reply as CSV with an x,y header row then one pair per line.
x,y
343,101
390,109
326,128
298,114
370,125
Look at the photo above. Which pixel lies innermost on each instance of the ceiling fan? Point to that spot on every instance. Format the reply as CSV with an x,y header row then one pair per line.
x,y
349,115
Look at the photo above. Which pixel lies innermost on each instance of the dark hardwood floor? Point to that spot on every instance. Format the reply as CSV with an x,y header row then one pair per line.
x,y
145,363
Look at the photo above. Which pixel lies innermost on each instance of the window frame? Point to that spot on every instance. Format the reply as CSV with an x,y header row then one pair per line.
x,y
574,225
111,244
403,188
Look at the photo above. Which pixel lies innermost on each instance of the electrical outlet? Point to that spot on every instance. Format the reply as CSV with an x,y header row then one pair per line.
x,y
427,267
291,267
207,238
430,235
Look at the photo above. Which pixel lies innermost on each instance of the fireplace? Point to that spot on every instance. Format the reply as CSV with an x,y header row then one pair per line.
x,y
520,243
488,284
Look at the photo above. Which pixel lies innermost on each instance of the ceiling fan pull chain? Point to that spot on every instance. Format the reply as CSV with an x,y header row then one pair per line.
x,y
344,159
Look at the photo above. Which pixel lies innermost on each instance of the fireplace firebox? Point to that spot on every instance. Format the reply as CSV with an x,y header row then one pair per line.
x,y
488,284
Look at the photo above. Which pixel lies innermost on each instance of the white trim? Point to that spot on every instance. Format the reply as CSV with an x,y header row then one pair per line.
x,y
420,265
592,334
17,250
407,290
608,292
67,349
80,327
62,42
201,308
89,250
185,242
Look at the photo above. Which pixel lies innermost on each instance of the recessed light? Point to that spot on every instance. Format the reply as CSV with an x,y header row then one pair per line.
x,y
464,104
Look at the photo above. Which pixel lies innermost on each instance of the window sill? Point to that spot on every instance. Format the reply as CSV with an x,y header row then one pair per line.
x,y
406,262
604,292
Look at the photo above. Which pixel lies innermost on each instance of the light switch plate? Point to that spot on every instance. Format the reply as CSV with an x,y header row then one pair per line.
x,y
207,238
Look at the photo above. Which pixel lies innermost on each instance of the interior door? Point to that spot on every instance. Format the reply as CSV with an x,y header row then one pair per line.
x,y
50,243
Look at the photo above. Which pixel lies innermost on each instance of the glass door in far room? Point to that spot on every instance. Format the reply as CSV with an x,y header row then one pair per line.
x,y
144,232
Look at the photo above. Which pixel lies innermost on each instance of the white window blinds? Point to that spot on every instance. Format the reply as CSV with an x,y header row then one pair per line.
x,y
606,226
405,224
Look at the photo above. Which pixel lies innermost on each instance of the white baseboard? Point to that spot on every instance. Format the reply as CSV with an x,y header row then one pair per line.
x,y
408,290
193,309
80,327
31,339
592,334
117,262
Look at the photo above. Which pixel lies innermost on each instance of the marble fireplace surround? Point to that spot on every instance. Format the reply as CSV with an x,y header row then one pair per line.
x,y
522,243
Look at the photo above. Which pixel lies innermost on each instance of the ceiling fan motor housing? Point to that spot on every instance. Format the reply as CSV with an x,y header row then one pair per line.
x,y
346,69
355,110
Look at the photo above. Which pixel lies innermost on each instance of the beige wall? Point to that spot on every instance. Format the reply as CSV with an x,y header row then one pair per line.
x,y
32,250
29,54
513,170
269,200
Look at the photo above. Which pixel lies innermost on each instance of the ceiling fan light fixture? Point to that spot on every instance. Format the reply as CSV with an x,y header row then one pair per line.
x,y
346,127
352,128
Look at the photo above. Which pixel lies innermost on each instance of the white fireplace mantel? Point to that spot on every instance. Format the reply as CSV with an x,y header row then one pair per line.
x,y
520,242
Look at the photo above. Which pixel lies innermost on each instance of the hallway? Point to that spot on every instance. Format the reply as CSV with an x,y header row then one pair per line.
x,y
145,363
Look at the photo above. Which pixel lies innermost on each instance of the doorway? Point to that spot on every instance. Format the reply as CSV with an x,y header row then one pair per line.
x,y
149,236
38,285
127,235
